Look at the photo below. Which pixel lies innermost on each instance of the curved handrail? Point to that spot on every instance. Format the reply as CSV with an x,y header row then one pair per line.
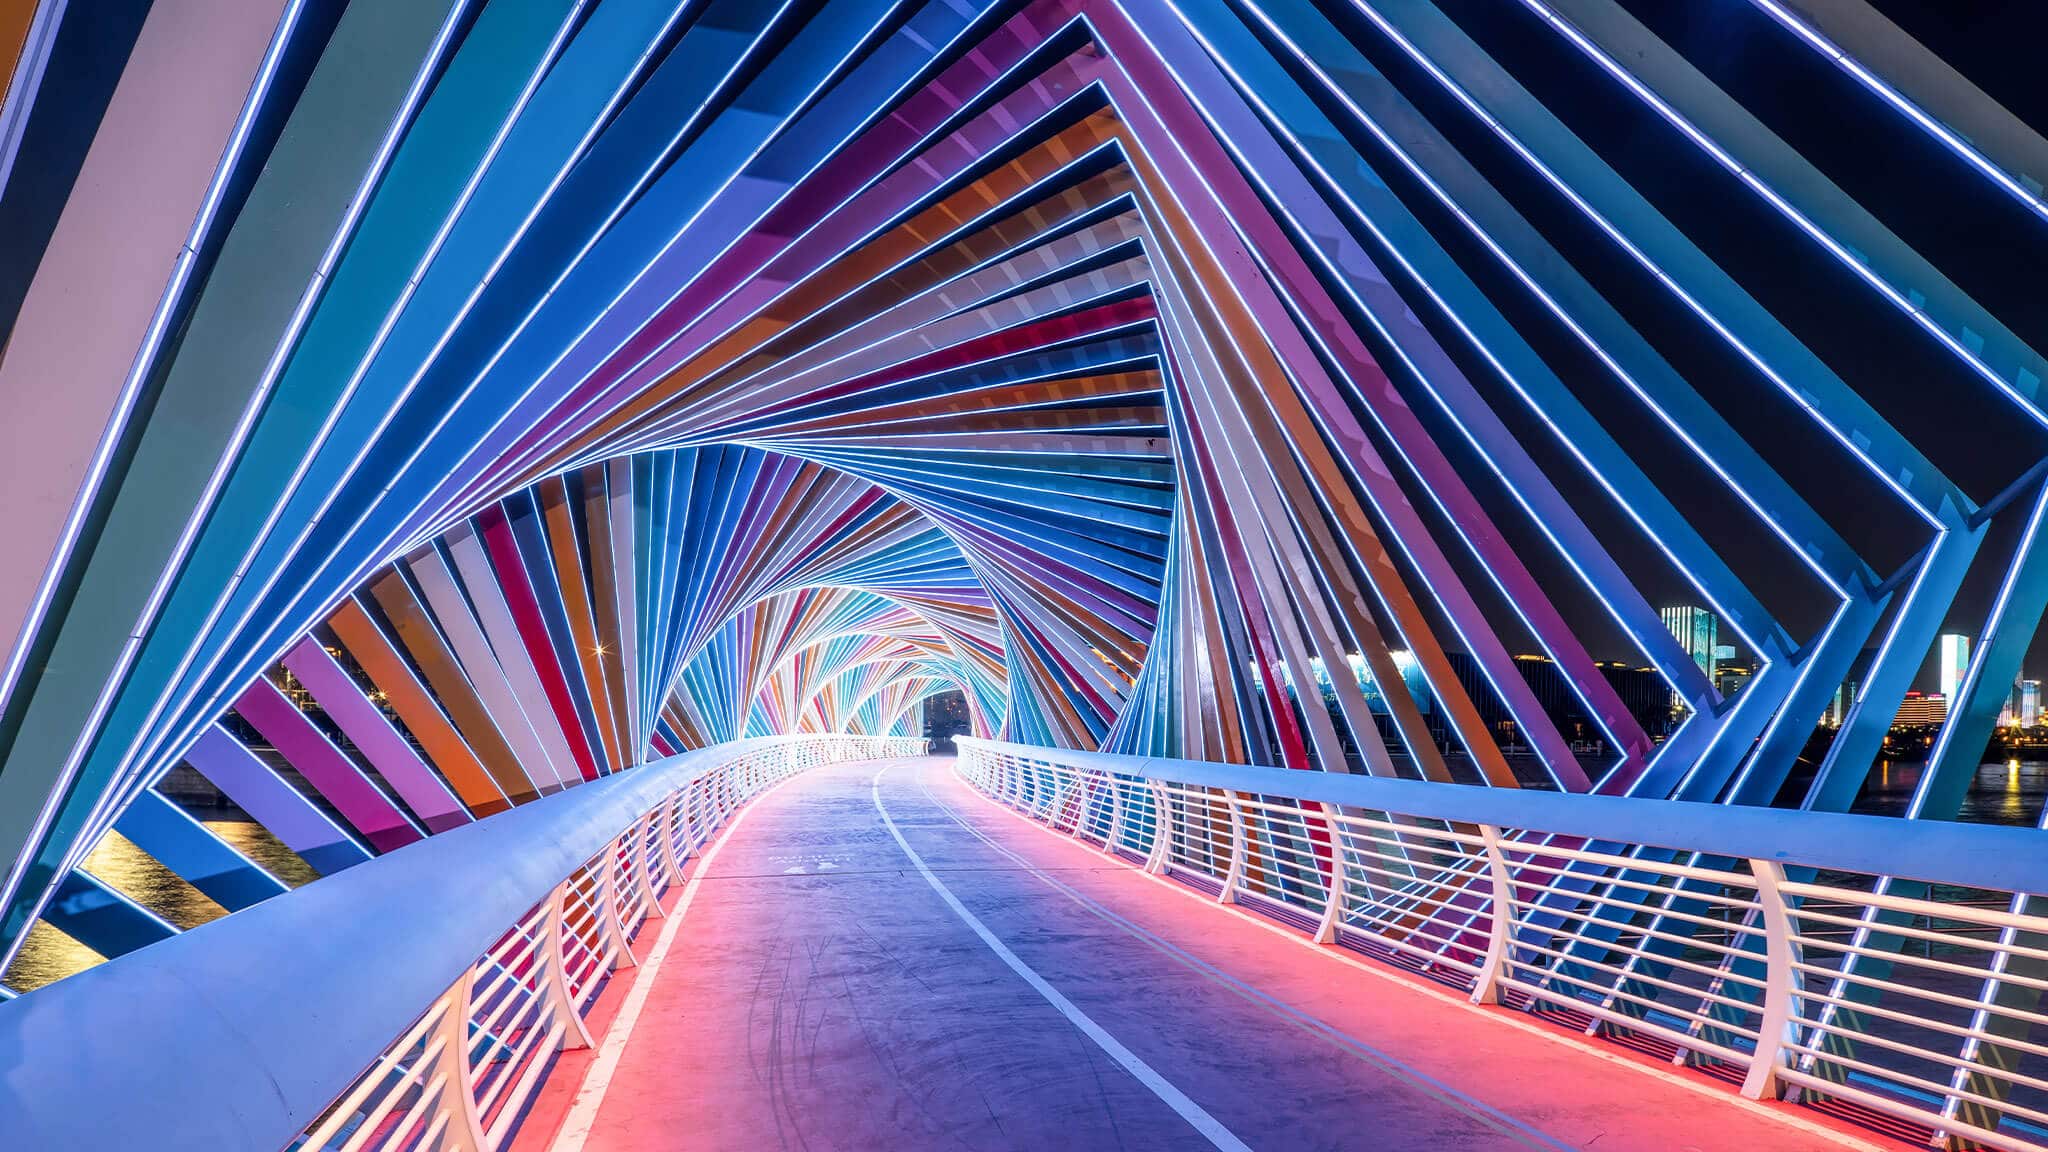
x,y
2007,859
1848,957
268,1016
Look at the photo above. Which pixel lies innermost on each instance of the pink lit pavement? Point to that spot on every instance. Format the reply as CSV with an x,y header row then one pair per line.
x,y
816,989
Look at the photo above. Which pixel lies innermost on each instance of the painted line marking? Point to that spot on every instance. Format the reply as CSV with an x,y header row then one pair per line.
x,y
1210,1128
597,1079
1507,1125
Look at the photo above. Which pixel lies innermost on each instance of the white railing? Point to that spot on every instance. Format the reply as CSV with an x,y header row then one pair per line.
x,y
273,1028
460,1078
1865,964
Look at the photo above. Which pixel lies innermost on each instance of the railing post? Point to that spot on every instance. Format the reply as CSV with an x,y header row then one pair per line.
x,y
1234,874
1486,987
1161,855
667,825
643,866
465,1129
684,802
1046,786
707,811
1032,787
1340,877
1084,817
608,910
554,953
1077,792
1779,981
1115,839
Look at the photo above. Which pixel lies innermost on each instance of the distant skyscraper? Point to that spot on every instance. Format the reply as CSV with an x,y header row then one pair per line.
x,y
1845,699
2030,703
1696,630
1731,678
1955,660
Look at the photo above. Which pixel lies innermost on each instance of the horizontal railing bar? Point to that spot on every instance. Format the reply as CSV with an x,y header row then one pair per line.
x,y
1628,911
1972,855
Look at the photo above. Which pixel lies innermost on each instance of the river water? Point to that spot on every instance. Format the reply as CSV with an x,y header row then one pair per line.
x,y
2006,792
51,955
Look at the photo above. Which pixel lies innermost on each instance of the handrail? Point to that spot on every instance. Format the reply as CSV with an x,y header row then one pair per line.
x,y
2000,857
271,1014
1808,955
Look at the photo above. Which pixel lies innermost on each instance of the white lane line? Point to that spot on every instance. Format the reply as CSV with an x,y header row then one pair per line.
x,y
597,1079
1456,1002
1525,1134
1210,1128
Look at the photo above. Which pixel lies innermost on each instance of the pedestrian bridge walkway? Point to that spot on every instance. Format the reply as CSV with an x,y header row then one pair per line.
x,y
878,957
832,942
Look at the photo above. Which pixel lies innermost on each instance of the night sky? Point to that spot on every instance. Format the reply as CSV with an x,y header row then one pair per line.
x,y
1983,240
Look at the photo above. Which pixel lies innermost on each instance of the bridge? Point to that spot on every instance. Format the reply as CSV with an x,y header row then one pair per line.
x,y
792,942
601,574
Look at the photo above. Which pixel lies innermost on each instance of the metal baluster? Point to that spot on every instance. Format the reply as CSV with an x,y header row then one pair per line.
x,y
670,858
1162,831
1492,969
1780,981
554,952
620,950
1115,839
1076,792
465,1130
1234,874
1340,880
643,865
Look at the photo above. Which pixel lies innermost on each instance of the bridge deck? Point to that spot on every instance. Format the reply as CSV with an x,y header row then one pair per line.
x,y
821,992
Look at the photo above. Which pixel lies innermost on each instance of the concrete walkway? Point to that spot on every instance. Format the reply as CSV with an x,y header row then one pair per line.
x,y
878,958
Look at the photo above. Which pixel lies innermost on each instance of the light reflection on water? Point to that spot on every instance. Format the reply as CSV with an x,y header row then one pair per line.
x,y
49,954
2004,792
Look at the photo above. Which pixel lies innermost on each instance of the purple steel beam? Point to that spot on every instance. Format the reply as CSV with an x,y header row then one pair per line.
x,y
285,814
307,749
374,736
581,386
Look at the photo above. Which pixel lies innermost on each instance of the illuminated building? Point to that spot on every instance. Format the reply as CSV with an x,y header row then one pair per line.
x,y
1920,709
1955,662
1696,629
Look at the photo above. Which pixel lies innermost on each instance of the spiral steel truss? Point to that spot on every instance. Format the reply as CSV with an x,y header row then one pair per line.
x,y
420,406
